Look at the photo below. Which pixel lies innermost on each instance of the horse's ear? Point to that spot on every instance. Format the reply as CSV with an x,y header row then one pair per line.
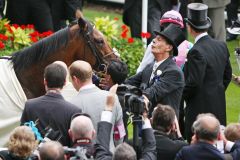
x,y
82,24
78,14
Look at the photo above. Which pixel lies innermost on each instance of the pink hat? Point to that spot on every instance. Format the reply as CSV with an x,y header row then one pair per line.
x,y
172,17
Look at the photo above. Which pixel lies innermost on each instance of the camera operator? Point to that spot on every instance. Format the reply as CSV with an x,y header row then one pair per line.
x,y
82,132
123,151
165,125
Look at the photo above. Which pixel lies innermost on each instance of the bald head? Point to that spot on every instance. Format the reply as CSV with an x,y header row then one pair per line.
x,y
81,70
81,127
206,127
51,151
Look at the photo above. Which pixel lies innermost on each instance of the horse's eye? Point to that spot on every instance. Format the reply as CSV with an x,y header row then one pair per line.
x,y
99,41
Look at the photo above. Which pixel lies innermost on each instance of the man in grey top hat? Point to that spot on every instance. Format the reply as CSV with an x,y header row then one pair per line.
x,y
207,70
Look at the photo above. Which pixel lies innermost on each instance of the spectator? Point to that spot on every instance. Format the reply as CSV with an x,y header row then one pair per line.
x,y
207,70
82,133
232,132
68,91
21,144
51,151
51,110
123,151
206,132
168,18
132,15
216,13
165,124
62,10
37,12
232,15
162,81
92,99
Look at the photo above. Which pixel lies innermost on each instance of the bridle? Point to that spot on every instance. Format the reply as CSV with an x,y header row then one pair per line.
x,y
101,63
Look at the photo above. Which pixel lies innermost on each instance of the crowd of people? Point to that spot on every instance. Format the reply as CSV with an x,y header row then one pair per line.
x,y
185,84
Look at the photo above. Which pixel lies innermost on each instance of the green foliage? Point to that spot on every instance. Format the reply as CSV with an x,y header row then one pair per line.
x,y
131,50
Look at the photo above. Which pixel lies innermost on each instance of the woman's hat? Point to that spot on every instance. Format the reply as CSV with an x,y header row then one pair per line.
x,y
197,16
172,17
174,35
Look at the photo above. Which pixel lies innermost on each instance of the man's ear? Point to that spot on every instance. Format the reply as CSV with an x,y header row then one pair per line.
x,y
93,134
45,82
70,133
169,48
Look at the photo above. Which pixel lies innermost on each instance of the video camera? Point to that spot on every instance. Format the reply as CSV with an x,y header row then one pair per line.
x,y
78,153
131,99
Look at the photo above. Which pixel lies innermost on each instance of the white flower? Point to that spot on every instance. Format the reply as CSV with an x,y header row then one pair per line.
x,y
159,72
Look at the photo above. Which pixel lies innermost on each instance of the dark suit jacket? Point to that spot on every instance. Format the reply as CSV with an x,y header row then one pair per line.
x,y
165,5
63,10
51,109
207,74
199,151
167,148
168,90
103,139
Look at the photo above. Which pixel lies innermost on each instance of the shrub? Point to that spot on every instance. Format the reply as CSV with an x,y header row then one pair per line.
x,y
131,50
15,37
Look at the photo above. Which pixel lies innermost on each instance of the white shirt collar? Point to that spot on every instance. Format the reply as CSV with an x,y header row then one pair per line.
x,y
158,63
88,86
200,36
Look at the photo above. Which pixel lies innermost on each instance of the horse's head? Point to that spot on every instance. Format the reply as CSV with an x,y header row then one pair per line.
x,y
95,42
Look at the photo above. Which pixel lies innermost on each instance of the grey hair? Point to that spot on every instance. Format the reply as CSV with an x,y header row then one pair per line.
x,y
202,129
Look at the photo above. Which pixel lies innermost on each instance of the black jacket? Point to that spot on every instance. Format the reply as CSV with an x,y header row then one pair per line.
x,y
103,138
52,110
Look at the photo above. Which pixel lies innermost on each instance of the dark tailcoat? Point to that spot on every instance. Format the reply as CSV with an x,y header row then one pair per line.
x,y
167,90
51,110
132,15
63,10
103,140
207,74
167,148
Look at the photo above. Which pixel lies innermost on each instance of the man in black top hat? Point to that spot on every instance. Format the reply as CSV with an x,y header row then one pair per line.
x,y
162,81
207,70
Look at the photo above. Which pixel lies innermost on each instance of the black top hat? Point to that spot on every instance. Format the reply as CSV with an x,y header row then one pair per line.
x,y
197,16
174,35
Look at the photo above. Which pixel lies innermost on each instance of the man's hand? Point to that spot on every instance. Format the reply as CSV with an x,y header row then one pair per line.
x,y
111,98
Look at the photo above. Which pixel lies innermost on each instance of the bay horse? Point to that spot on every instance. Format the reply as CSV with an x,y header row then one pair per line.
x,y
80,41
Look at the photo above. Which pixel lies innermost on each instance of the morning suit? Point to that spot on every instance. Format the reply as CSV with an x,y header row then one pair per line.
x,y
207,75
102,144
35,12
216,14
62,10
92,101
51,110
167,148
132,15
167,89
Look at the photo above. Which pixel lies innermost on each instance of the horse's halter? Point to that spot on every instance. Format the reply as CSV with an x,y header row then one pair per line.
x,y
101,63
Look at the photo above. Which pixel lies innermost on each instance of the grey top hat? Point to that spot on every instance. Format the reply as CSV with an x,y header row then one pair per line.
x,y
174,35
197,16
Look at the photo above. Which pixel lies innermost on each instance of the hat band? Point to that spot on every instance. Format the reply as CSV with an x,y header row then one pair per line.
x,y
199,23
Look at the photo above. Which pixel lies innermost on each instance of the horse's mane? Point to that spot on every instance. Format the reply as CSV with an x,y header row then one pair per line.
x,y
40,50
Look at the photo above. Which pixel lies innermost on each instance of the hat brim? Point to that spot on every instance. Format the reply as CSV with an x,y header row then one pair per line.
x,y
235,30
175,49
206,26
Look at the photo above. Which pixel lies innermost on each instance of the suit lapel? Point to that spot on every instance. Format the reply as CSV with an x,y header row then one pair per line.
x,y
161,67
